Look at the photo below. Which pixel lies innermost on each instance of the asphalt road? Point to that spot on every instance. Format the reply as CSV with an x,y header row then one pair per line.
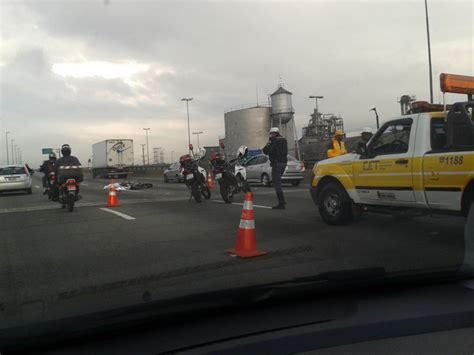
x,y
54,263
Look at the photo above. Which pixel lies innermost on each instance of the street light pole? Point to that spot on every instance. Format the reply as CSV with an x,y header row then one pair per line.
x,y
6,143
198,133
147,149
376,115
189,129
429,50
143,153
13,152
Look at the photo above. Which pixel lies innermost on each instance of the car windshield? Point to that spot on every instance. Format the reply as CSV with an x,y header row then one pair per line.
x,y
113,109
12,171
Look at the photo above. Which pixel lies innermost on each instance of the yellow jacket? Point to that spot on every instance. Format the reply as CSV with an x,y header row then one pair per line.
x,y
338,148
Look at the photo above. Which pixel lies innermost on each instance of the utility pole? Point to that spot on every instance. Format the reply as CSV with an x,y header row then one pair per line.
x,y
189,129
147,149
197,134
143,153
6,143
429,50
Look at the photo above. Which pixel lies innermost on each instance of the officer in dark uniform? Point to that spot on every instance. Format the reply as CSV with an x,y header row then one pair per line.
x,y
277,151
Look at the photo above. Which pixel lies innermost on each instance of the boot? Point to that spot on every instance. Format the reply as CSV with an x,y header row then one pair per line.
x,y
281,202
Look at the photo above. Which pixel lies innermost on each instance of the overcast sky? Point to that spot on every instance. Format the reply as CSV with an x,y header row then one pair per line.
x,y
83,71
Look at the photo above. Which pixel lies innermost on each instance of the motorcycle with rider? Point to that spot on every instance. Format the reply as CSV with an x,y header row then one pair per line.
x,y
69,175
49,179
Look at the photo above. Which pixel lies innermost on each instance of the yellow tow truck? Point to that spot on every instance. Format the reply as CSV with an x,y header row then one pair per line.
x,y
420,162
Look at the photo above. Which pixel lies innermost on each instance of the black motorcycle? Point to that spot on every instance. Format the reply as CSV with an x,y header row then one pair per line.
x,y
195,177
231,176
68,193
52,187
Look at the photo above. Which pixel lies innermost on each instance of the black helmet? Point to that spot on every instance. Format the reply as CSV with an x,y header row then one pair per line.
x,y
52,155
65,150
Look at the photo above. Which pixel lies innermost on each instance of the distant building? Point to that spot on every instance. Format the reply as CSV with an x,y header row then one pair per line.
x,y
249,125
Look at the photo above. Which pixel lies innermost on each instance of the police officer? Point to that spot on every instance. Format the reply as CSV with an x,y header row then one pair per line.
x,y
277,151
365,136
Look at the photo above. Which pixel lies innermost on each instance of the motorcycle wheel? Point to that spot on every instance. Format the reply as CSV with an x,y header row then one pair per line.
x,y
205,191
195,191
70,202
244,184
226,192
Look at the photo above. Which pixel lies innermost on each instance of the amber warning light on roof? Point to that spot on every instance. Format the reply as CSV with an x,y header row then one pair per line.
x,y
457,84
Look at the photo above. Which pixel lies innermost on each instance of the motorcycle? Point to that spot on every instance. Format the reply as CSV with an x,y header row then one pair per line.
x,y
231,175
68,193
51,187
195,176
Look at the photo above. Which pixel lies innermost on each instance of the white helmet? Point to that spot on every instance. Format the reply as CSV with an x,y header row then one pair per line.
x,y
367,130
242,151
274,130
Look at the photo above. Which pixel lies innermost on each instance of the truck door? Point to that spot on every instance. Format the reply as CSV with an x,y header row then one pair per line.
x,y
384,174
446,170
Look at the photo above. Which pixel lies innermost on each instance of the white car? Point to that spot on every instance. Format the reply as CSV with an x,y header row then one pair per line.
x,y
15,178
259,170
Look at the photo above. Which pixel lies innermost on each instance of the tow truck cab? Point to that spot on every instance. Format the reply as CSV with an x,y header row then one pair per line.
x,y
421,160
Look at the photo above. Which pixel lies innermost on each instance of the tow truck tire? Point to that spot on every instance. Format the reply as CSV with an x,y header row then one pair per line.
x,y
334,205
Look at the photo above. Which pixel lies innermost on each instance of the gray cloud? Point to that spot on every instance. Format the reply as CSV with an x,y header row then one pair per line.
x,y
357,54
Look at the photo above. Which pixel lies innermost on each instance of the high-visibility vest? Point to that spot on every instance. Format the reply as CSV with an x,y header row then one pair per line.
x,y
338,148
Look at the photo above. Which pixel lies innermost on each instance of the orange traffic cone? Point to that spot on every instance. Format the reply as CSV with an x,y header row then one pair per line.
x,y
246,244
210,183
112,201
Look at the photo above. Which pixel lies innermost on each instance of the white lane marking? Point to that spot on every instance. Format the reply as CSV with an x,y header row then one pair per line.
x,y
37,187
120,214
82,184
87,204
241,204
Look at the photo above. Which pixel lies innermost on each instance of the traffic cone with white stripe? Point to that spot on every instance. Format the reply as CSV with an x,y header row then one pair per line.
x,y
246,244
112,201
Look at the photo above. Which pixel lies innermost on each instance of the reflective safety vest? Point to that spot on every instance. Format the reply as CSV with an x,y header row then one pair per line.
x,y
338,148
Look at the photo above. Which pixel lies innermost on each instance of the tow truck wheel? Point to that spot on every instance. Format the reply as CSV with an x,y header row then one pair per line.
x,y
334,205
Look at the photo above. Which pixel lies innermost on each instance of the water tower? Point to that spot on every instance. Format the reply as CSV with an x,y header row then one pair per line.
x,y
282,116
